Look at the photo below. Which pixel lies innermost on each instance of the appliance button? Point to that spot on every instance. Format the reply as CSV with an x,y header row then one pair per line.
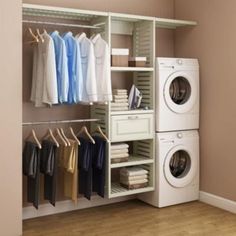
x,y
179,135
179,61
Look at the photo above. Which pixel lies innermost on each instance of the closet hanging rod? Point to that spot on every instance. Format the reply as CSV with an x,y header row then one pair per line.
x,y
61,24
59,122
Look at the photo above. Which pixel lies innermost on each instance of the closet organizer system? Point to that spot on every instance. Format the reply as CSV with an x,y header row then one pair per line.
x,y
132,127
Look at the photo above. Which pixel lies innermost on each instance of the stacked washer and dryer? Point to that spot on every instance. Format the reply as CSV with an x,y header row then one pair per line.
x,y
177,139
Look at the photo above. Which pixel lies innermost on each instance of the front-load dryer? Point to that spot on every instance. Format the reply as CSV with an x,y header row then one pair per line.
x,y
177,169
177,94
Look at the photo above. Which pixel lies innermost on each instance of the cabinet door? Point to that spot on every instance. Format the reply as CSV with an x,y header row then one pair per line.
x,y
131,127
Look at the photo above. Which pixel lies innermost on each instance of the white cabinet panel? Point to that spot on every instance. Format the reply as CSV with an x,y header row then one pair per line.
x,y
131,127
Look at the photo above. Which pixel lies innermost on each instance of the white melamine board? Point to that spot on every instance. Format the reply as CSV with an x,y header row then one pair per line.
x,y
133,161
173,23
127,69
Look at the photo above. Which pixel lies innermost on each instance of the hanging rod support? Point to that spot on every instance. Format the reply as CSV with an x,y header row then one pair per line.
x,y
59,122
60,24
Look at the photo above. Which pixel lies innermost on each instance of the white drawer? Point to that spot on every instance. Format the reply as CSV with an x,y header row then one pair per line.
x,y
131,127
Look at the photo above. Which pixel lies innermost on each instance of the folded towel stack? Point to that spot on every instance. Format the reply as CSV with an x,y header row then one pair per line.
x,y
119,152
133,177
120,100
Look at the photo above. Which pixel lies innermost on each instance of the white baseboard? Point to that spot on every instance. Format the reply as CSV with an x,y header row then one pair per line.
x,y
217,201
65,206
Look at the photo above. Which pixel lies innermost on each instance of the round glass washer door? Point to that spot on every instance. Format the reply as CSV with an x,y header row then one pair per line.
x,y
180,92
180,167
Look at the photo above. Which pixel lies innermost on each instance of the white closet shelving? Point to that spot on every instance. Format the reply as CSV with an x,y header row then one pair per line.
x,y
131,69
137,126
134,126
172,23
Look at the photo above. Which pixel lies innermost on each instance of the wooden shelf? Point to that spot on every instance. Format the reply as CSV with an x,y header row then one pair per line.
x,y
118,191
133,161
172,23
130,69
132,112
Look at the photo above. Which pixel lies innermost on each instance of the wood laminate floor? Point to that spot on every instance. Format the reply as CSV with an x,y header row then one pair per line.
x,y
134,218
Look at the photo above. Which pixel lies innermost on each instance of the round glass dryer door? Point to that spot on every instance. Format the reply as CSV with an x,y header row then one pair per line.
x,y
179,168
180,92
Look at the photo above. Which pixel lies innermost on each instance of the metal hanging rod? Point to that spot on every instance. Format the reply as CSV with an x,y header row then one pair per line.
x,y
61,24
59,122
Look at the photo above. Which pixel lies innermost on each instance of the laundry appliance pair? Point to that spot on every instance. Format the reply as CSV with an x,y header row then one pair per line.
x,y
177,139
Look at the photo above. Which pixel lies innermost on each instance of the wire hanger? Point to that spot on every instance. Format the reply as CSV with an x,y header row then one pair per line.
x,y
59,135
33,135
49,134
84,130
74,136
64,136
99,131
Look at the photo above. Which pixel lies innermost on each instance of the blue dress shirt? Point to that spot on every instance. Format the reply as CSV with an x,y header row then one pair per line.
x,y
74,68
61,67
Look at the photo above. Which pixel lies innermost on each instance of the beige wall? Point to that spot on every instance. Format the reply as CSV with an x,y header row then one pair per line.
x,y
213,41
10,118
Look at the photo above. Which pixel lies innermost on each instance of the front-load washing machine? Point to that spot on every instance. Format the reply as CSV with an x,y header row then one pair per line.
x,y
177,94
177,169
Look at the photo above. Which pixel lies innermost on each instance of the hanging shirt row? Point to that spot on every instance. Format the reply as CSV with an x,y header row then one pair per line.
x,y
82,168
70,69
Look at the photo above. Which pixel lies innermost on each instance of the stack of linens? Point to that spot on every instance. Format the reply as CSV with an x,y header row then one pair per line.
x,y
133,177
120,100
119,152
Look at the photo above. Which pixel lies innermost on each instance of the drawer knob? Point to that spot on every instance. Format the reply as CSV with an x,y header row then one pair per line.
x,y
132,117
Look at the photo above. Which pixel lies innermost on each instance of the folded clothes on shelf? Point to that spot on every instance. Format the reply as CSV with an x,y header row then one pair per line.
x,y
133,171
119,146
140,181
122,96
120,100
134,186
119,109
119,160
133,178
121,104
120,91
123,155
119,151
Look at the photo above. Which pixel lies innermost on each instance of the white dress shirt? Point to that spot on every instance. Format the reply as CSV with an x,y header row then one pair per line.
x,y
44,79
88,69
102,69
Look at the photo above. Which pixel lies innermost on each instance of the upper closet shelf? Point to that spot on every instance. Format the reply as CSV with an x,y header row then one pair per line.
x,y
60,12
119,69
172,23
129,17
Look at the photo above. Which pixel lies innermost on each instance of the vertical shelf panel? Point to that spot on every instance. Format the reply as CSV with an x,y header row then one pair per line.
x,y
142,31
